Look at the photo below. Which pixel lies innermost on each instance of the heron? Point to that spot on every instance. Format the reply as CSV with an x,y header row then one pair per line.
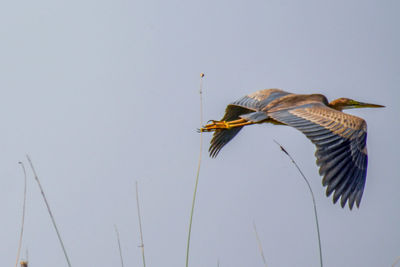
x,y
340,138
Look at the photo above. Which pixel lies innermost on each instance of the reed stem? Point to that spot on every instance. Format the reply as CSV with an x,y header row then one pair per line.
x,y
49,210
23,216
312,196
198,171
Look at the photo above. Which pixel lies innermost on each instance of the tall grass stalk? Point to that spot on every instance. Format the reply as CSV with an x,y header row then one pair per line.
x,y
119,246
312,196
198,170
259,244
23,216
49,210
140,225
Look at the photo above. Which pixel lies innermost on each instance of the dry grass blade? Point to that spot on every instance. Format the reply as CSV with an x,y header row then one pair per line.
x,y
24,262
119,245
312,196
49,210
198,171
140,225
396,261
23,217
259,244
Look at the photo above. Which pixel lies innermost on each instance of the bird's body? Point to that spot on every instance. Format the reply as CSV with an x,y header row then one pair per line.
x,y
340,138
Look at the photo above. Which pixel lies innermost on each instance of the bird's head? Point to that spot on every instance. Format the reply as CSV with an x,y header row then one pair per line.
x,y
347,103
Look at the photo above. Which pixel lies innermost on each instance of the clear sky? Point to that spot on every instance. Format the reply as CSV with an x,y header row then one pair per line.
x,y
104,93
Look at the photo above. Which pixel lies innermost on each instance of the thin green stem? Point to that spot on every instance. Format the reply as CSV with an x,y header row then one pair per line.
x,y
312,196
23,216
49,210
140,225
198,171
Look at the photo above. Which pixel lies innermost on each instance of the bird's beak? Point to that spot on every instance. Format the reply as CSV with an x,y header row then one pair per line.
x,y
368,105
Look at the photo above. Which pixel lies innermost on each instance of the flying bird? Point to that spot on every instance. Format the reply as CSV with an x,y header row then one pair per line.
x,y
340,138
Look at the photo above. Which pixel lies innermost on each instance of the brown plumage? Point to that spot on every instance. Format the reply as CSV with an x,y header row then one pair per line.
x,y
340,138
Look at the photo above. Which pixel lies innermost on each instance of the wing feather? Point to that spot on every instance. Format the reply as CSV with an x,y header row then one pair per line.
x,y
341,152
258,100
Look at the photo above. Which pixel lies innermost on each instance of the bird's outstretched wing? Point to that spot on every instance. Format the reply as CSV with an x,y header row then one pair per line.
x,y
341,153
247,104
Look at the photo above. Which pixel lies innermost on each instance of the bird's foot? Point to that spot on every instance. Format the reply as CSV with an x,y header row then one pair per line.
x,y
224,125
215,125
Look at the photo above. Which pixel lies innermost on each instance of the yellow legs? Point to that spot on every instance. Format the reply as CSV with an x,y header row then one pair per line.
x,y
215,125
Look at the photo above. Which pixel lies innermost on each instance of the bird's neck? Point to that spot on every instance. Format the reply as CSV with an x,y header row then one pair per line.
x,y
336,104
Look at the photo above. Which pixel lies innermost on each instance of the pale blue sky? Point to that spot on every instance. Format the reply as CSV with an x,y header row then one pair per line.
x,y
103,93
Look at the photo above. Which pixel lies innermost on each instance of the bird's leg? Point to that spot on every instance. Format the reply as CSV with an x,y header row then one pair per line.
x,y
241,123
215,125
